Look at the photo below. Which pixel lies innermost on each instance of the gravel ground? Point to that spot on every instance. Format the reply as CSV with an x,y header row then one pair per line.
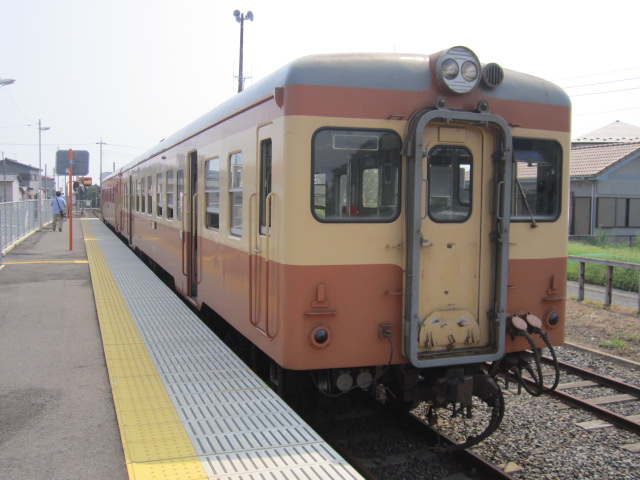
x,y
614,331
542,436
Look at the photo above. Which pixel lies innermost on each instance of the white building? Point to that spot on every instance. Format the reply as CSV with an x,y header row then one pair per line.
x,y
605,183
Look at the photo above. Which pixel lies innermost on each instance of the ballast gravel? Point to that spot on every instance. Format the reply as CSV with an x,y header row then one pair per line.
x,y
541,436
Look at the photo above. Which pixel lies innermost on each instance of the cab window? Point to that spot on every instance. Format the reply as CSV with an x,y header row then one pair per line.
x,y
356,175
537,180
450,179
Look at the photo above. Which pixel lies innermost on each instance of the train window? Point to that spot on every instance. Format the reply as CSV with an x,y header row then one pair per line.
x,y
149,194
537,177
137,193
143,195
356,175
169,194
159,199
180,182
235,193
265,183
212,192
450,178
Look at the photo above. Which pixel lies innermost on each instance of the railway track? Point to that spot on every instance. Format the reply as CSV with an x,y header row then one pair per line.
x,y
623,392
382,443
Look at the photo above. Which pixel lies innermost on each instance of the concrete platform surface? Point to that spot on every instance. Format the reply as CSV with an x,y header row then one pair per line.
x,y
57,418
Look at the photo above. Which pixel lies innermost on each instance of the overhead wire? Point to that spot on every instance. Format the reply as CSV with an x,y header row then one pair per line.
x,y
600,73
604,82
602,93
17,107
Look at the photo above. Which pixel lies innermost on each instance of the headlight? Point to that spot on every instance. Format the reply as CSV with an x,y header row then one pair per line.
x,y
469,71
450,69
458,70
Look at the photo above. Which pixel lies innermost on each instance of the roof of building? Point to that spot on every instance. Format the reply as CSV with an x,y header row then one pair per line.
x,y
593,159
16,167
613,133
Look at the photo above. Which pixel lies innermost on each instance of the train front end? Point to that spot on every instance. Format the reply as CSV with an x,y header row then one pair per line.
x,y
486,217
482,213
485,223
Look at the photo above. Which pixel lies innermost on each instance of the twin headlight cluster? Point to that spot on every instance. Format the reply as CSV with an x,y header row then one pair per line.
x,y
459,71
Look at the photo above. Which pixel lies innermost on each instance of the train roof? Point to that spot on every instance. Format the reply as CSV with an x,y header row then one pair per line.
x,y
380,71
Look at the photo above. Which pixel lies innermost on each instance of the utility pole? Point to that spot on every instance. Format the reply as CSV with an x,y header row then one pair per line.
x,y
4,184
40,204
101,143
240,18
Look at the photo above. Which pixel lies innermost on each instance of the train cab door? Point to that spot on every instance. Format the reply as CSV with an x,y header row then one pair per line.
x,y
261,267
457,265
188,213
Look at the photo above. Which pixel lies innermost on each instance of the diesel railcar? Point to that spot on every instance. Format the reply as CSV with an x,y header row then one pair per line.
x,y
385,222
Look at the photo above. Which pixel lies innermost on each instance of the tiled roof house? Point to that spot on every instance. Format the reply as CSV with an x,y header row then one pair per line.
x,y
605,182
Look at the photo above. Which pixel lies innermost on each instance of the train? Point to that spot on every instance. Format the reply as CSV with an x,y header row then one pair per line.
x,y
385,223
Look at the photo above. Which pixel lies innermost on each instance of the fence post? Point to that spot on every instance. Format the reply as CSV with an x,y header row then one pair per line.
x,y
608,286
638,309
581,282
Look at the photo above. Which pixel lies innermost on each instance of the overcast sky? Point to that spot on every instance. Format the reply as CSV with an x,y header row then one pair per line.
x,y
131,72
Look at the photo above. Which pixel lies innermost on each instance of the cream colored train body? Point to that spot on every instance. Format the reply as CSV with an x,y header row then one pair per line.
x,y
368,218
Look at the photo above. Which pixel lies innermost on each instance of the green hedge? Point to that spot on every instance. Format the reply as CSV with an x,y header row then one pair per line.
x,y
623,278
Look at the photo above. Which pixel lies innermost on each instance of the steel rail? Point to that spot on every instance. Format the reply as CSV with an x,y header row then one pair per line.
x,y
596,377
466,457
585,404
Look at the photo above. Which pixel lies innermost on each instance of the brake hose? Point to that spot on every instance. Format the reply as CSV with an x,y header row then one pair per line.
x,y
519,327
535,326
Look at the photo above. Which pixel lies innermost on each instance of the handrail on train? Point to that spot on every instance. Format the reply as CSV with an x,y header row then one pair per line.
x,y
609,279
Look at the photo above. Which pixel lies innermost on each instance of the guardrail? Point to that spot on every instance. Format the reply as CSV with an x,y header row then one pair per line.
x,y
18,219
608,288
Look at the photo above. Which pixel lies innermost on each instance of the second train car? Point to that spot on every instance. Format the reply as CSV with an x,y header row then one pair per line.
x,y
385,222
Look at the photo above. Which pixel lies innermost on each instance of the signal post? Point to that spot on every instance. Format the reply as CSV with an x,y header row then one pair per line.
x,y
78,161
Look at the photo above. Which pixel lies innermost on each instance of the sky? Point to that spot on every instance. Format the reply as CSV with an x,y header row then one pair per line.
x,y
128,73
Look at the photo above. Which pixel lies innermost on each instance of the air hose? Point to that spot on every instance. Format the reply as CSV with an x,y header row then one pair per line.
x,y
519,327
535,326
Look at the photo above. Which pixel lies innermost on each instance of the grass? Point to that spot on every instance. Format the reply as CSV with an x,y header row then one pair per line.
x,y
623,278
613,344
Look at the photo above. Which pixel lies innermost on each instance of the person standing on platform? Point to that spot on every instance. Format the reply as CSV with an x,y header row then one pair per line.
x,y
58,204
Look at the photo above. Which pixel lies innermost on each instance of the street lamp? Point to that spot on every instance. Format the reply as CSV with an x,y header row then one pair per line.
x,y
6,81
240,18
40,130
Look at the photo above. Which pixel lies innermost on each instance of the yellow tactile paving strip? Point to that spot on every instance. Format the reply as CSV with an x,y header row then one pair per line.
x,y
155,443
46,261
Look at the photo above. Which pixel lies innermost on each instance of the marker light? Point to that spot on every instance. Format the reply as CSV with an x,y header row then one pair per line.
x,y
320,336
458,70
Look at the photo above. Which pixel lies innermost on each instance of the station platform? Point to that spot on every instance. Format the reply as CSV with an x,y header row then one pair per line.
x,y
106,374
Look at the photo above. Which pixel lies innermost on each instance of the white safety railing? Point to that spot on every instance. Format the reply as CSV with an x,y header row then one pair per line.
x,y
18,219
